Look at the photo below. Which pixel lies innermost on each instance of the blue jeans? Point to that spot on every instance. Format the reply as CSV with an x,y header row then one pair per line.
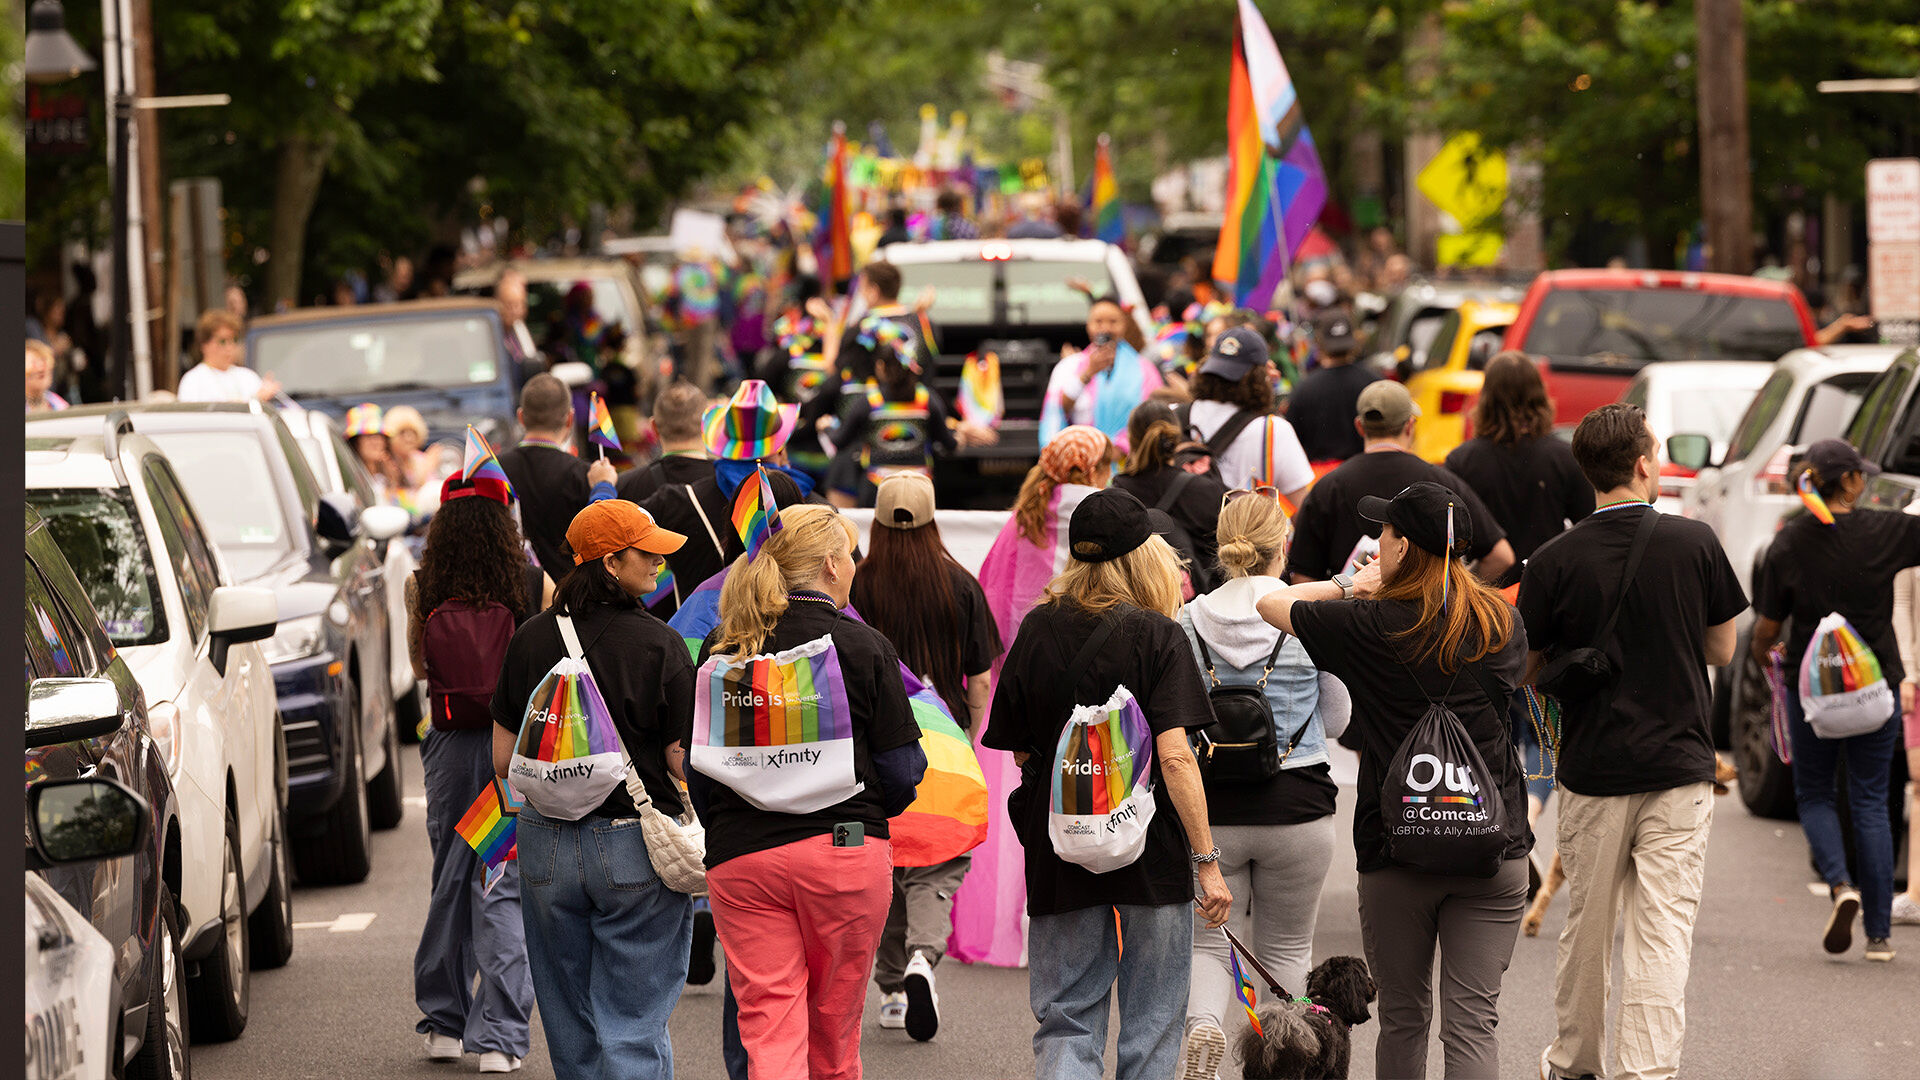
x,y
1074,962
1869,769
467,932
608,945
1527,742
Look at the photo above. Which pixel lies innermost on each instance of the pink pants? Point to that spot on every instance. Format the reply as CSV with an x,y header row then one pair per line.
x,y
800,924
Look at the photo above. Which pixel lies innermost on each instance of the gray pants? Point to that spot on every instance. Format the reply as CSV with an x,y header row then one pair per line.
x,y
466,932
921,918
1475,921
1274,873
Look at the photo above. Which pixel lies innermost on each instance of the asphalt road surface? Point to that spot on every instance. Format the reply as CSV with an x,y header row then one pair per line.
x,y
1764,1001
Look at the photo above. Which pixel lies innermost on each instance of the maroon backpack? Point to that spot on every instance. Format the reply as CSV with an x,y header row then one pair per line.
x,y
465,646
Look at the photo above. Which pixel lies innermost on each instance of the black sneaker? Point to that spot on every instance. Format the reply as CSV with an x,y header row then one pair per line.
x,y
1846,905
700,966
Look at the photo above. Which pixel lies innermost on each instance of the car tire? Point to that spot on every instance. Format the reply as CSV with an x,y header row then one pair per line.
x,y
222,989
385,803
165,1054
1766,784
340,854
409,711
271,928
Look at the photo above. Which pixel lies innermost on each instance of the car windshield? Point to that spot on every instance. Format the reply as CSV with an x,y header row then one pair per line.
x,y
99,533
1037,291
1626,328
350,359
227,476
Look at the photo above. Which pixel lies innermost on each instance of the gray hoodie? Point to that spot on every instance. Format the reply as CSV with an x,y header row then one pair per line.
x,y
1239,638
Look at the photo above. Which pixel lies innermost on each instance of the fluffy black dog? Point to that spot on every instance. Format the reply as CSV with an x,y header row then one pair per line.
x,y
1310,1040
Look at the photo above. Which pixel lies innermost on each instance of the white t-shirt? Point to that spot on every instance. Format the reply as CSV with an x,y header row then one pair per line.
x,y
1265,452
203,383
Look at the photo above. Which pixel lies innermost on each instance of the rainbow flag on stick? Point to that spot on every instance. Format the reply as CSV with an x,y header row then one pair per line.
x,y
1107,225
481,461
755,517
1243,990
602,430
488,826
835,234
1277,187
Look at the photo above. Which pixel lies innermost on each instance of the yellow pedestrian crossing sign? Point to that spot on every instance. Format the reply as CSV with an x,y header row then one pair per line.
x,y
1479,248
1466,179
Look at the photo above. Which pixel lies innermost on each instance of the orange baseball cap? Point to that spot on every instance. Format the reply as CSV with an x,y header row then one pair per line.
x,y
612,525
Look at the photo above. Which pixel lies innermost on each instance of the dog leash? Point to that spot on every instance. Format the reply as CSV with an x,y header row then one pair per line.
x,y
1247,954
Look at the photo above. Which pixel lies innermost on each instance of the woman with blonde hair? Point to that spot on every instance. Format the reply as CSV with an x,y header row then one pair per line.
x,y
800,890
414,461
1271,805
1107,622
1029,552
1415,630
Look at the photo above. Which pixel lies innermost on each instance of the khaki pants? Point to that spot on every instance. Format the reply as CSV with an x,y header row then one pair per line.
x,y
1646,854
921,919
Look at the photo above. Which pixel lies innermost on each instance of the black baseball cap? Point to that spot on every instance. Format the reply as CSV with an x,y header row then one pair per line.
x,y
1835,458
1420,514
1106,525
1333,329
1236,352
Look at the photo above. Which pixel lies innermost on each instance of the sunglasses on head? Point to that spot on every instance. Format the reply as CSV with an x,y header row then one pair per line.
x,y
1262,491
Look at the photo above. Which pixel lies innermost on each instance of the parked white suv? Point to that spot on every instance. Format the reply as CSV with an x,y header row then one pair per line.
x,y
117,511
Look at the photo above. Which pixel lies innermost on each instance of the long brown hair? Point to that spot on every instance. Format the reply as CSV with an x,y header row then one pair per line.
x,y
473,553
1513,405
1036,495
1153,447
919,619
1472,617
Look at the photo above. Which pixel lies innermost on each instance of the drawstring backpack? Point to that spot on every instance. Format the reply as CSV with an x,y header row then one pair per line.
x,y
777,728
1102,788
568,757
1842,689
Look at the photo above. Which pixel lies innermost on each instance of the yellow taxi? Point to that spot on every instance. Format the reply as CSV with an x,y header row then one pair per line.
x,y
1448,377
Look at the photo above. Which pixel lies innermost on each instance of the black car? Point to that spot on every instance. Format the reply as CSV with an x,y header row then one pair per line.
x,y
86,718
254,491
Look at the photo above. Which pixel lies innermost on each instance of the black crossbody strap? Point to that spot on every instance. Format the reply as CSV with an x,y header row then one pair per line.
x,y
1229,431
1641,538
1492,689
1078,669
1206,657
1180,481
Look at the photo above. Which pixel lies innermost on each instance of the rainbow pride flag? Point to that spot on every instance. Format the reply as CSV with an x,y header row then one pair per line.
x,y
488,826
699,613
662,587
1107,225
982,401
1277,187
835,238
948,815
481,462
1810,498
601,431
1243,990
771,701
756,517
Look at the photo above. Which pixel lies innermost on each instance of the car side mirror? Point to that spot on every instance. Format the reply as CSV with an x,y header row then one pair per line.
x,y
68,710
71,821
334,519
384,522
236,614
1690,451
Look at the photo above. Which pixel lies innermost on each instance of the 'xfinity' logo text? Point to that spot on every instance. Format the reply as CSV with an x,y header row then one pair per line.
x,y
774,759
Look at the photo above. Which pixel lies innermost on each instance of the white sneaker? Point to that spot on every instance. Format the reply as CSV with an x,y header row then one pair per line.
x,y
893,1011
1206,1046
493,1061
923,1002
1905,911
444,1047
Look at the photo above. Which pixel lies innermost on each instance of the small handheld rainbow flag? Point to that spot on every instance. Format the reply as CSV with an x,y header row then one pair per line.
x,y
1810,496
1243,989
662,588
755,517
1107,225
481,461
488,826
602,430
981,399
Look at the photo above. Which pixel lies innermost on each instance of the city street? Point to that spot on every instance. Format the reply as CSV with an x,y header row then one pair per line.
x,y
1764,1001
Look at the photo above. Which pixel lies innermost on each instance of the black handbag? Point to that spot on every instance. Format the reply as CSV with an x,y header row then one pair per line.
x,y
1241,746
1582,673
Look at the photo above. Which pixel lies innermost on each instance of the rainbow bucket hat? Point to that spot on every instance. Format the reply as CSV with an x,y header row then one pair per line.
x,y
362,420
751,426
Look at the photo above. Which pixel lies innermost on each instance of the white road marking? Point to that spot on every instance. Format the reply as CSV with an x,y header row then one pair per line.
x,y
350,923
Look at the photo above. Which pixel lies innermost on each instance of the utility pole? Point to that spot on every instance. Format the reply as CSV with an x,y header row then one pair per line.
x,y
1726,184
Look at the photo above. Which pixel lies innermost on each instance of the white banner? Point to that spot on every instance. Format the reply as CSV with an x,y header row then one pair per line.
x,y
968,534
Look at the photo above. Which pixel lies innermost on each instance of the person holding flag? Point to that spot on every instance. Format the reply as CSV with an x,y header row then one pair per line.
x,y
550,481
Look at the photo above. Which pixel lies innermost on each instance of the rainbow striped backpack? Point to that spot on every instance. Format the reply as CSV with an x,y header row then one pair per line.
x,y
1842,689
776,728
568,757
1103,785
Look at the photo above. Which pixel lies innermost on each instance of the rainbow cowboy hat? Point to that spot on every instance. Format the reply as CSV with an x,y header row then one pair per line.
x,y
751,426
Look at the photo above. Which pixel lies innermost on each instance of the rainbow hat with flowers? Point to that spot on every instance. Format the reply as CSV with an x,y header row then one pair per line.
x,y
751,426
362,420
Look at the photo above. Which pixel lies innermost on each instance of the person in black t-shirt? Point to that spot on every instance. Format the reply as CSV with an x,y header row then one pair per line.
x,y
1843,565
589,897
944,632
1191,499
800,897
1516,465
677,412
1636,764
1329,538
1122,575
1374,633
1321,409
550,482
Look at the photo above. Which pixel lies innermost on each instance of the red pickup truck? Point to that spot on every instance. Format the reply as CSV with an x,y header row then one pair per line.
x,y
1591,330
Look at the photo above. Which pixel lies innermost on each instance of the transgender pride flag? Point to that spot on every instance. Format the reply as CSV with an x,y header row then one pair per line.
x,y
1276,186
